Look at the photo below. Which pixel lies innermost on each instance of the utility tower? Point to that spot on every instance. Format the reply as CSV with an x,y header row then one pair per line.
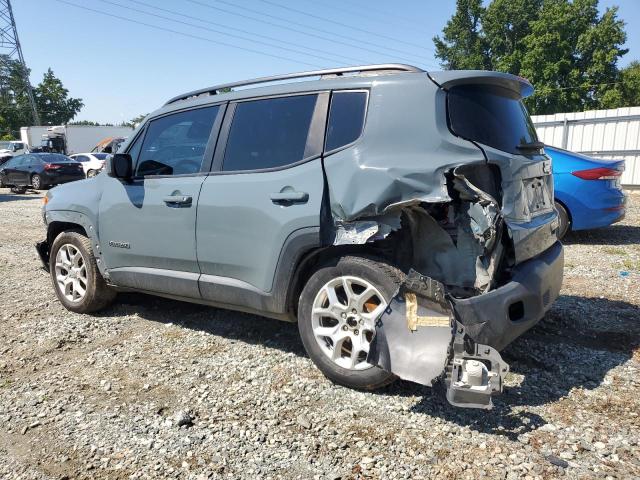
x,y
10,49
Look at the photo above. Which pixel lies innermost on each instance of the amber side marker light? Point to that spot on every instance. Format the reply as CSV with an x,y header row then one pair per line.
x,y
601,173
45,199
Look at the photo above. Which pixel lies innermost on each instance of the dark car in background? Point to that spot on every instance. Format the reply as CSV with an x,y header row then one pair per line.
x,y
39,170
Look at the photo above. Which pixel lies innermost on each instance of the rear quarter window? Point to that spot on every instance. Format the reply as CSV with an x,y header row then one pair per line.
x,y
346,119
490,115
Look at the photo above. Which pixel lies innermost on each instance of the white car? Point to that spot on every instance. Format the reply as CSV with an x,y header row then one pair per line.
x,y
92,163
11,149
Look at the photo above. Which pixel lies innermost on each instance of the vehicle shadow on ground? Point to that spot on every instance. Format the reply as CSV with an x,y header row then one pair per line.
x,y
613,235
579,341
14,197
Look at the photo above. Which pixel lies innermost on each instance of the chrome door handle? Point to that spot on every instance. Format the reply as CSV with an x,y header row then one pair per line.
x,y
289,197
183,200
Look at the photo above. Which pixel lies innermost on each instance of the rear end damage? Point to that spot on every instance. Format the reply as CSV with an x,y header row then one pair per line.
x,y
471,287
456,192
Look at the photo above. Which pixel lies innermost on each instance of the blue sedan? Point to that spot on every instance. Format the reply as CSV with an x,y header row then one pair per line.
x,y
587,190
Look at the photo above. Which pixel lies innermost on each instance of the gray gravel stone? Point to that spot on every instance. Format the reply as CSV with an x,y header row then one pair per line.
x,y
258,408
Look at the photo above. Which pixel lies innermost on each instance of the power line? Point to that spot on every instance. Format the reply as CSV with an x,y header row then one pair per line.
x,y
577,87
333,37
334,34
352,27
197,37
364,12
388,14
243,31
217,31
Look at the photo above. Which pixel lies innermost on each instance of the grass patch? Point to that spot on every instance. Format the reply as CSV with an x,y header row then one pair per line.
x,y
632,265
615,251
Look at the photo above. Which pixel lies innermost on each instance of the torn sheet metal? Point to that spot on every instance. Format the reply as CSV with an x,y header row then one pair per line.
x,y
364,231
467,254
397,163
406,347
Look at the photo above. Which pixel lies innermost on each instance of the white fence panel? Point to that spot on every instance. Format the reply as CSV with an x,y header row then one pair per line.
x,y
611,134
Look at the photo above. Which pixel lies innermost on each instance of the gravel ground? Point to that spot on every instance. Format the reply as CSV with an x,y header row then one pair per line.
x,y
153,388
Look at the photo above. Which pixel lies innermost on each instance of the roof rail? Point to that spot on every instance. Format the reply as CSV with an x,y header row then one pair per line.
x,y
314,73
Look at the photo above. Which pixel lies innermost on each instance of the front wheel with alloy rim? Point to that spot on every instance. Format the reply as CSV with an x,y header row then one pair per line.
x,y
91,173
337,312
76,279
36,181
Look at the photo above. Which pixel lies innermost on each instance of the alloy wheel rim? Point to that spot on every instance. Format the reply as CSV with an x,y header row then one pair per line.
x,y
36,182
71,273
343,320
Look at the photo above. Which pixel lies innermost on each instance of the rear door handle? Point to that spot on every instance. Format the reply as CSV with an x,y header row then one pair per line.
x,y
183,200
289,197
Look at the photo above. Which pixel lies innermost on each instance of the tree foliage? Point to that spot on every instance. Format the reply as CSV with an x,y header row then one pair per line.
x,y
135,121
565,48
52,99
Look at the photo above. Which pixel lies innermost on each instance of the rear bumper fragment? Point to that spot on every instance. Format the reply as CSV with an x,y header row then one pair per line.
x,y
426,335
502,315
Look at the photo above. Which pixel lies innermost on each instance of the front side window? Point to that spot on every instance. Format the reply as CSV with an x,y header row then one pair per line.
x,y
490,115
175,144
346,118
269,133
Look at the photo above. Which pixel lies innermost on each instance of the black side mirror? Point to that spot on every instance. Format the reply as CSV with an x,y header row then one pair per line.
x,y
120,165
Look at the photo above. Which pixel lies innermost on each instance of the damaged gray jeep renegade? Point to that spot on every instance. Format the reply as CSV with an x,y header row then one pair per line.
x,y
403,218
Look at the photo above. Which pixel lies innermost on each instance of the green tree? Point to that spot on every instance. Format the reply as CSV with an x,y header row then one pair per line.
x,y
505,24
565,48
135,120
53,101
463,45
15,109
630,85
571,56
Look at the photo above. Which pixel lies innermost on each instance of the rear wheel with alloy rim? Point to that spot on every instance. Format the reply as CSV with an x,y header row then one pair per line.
x,y
76,279
36,181
336,317
91,173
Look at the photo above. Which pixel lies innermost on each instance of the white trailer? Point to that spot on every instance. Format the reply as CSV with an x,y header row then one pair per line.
x,y
71,139
32,136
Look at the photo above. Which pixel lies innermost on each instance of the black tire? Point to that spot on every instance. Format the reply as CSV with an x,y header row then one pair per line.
x,y
36,181
385,278
564,222
98,294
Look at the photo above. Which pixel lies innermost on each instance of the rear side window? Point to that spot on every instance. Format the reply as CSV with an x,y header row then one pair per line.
x,y
175,144
346,119
269,133
492,116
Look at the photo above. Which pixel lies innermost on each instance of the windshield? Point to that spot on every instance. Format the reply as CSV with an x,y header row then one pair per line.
x,y
490,115
101,156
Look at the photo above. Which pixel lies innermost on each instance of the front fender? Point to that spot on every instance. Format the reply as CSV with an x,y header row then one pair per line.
x,y
59,221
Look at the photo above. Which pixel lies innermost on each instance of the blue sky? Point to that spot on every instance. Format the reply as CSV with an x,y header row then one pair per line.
x,y
121,69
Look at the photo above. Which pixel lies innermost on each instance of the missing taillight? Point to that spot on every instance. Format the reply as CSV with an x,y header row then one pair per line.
x,y
600,173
